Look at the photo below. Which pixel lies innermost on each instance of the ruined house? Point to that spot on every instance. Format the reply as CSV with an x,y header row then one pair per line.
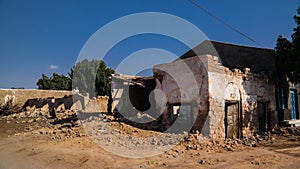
x,y
223,90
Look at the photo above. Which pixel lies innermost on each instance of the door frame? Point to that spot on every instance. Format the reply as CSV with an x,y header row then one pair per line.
x,y
240,117
266,116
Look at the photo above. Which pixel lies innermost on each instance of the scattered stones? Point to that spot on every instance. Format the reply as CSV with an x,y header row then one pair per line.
x,y
207,162
66,125
31,120
112,133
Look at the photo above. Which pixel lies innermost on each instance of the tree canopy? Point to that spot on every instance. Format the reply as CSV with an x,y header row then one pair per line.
x,y
91,77
55,82
88,76
288,53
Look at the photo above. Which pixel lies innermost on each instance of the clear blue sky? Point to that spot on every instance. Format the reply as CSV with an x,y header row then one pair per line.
x,y
39,36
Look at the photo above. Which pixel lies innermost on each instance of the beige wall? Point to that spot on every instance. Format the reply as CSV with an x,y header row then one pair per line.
x,y
22,95
205,85
242,86
216,84
40,99
185,81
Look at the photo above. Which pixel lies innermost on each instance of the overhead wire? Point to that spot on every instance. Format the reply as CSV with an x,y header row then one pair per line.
x,y
224,23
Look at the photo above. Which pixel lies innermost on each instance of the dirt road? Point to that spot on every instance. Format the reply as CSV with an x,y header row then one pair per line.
x,y
36,148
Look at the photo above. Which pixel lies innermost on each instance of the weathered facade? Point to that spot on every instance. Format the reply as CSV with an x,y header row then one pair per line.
x,y
232,91
259,61
229,104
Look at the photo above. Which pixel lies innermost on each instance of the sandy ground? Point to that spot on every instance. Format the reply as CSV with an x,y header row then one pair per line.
x,y
25,144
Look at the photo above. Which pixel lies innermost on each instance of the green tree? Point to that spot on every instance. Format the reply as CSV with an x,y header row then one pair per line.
x,y
44,82
91,76
61,82
56,82
288,53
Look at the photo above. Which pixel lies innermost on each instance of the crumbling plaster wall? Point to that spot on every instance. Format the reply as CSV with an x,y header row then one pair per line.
x,y
245,87
216,84
185,82
205,84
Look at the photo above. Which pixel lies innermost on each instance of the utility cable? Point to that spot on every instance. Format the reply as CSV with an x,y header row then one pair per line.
x,y
224,23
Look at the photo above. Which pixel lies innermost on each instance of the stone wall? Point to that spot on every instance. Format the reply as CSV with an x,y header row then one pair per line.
x,y
21,96
41,99
243,87
194,92
185,84
207,85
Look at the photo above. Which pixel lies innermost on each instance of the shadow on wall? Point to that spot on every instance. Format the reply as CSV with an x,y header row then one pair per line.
x,y
65,102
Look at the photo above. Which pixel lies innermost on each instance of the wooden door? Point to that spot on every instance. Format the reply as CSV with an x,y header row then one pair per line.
x,y
232,120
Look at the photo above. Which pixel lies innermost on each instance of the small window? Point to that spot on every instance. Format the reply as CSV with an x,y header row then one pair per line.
x,y
174,112
184,111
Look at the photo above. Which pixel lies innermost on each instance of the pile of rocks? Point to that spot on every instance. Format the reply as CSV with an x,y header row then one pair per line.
x,y
106,129
38,122
25,117
61,131
99,128
286,131
195,142
65,125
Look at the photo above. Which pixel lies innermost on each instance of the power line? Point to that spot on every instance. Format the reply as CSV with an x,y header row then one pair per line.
x,y
223,22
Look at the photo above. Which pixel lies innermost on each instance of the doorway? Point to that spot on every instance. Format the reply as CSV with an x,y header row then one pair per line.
x,y
294,103
263,116
233,120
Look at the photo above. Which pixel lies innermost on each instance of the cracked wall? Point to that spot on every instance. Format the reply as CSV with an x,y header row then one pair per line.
x,y
245,87
216,84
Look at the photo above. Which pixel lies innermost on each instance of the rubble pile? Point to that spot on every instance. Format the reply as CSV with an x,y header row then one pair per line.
x,y
38,122
66,125
114,134
195,142
107,130
286,131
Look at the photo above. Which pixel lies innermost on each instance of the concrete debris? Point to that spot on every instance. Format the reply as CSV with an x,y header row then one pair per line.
x,y
109,131
66,125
